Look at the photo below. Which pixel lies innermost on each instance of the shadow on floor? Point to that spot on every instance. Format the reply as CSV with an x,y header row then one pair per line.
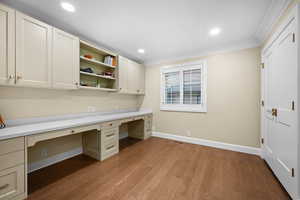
x,y
48,175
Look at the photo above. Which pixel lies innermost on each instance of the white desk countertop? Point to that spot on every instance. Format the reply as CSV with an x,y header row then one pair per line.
x,y
35,128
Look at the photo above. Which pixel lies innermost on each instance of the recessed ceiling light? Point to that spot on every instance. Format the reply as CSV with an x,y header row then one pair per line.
x,y
215,31
141,51
68,7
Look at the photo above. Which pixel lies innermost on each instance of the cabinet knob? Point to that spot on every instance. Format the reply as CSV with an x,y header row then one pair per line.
x,y
72,131
19,77
11,76
76,84
120,88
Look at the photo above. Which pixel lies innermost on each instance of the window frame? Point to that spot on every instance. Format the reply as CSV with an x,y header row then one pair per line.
x,y
201,108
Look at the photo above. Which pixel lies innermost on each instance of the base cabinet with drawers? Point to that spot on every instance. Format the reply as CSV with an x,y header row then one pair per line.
x,y
13,169
109,139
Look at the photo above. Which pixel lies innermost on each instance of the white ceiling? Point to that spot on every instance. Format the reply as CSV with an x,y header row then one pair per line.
x,y
166,29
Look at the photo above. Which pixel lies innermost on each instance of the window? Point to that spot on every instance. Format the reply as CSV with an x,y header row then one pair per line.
x,y
183,87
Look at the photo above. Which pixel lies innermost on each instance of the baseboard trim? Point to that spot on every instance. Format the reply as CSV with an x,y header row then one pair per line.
x,y
53,159
210,143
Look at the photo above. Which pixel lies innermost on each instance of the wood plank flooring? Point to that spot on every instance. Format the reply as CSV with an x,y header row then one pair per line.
x,y
159,169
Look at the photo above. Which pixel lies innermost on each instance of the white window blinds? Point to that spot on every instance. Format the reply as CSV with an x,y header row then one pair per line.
x,y
172,88
192,86
183,87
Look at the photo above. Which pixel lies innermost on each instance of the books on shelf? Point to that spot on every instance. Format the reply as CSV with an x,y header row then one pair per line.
x,y
110,60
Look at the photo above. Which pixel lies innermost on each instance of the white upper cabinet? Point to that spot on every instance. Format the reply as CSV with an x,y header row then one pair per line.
x,y
123,74
141,79
33,52
7,45
65,68
131,77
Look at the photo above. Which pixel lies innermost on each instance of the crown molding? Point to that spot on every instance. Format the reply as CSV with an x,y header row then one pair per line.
x,y
274,12
240,45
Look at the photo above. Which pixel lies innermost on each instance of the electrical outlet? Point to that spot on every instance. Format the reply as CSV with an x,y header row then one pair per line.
x,y
44,152
91,109
188,133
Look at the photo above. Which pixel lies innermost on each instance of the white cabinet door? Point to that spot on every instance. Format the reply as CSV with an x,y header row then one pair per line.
x,y
65,68
7,45
280,115
123,75
33,52
141,79
132,77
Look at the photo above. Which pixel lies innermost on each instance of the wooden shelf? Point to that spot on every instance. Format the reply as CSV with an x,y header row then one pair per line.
x,y
97,62
96,49
99,89
96,75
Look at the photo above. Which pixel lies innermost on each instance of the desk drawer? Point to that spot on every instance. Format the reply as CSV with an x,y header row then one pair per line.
x,y
12,182
33,139
109,149
109,125
109,134
11,159
11,145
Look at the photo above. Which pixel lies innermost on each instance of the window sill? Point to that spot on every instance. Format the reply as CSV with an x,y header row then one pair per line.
x,y
194,109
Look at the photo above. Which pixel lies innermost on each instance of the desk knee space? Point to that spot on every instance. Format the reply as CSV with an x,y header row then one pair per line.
x,y
99,141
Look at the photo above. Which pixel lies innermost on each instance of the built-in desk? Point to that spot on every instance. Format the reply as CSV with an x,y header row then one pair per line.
x,y
100,135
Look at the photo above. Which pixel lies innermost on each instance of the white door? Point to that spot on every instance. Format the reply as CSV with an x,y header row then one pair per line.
x,y
33,52
267,117
7,45
280,117
65,70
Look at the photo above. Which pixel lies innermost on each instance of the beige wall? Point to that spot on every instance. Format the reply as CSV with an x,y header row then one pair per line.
x,y
18,103
233,96
29,102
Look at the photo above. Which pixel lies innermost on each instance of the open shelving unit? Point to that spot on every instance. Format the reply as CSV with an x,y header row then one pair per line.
x,y
97,80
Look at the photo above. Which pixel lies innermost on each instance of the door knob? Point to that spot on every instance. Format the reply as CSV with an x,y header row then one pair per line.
x,y
274,112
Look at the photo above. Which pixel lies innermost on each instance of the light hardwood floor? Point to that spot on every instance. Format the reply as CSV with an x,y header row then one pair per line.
x,y
159,169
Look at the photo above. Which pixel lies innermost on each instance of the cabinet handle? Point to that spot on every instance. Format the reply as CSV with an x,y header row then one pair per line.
x,y
120,88
110,147
76,84
72,131
11,76
4,186
110,135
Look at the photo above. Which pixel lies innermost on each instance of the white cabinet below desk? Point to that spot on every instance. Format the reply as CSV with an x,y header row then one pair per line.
x,y
12,169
